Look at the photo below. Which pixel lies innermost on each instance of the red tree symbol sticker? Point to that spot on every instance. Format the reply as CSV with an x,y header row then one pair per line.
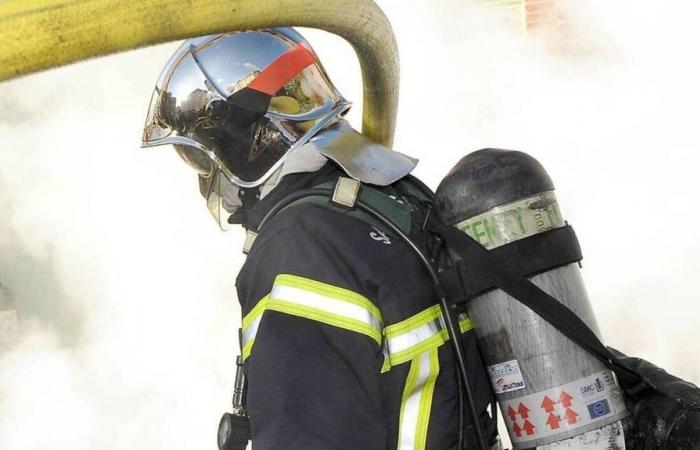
x,y
570,416
554,420
565,399
548,404
527,427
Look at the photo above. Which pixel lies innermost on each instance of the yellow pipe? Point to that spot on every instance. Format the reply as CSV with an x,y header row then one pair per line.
x,y
40,34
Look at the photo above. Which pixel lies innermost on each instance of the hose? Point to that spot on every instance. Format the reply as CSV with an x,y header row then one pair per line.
x,y
40,34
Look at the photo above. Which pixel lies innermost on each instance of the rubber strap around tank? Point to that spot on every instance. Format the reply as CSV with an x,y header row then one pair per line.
x,y
543,304
526,257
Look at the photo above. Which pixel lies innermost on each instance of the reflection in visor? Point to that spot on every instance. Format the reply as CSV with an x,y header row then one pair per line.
x,y
196,103
221,196
196,158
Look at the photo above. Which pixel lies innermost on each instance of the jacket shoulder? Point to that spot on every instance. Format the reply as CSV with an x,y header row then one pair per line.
x,y
312,242
335,248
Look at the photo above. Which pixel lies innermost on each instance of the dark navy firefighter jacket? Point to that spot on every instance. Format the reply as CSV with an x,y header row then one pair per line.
x,y
343,340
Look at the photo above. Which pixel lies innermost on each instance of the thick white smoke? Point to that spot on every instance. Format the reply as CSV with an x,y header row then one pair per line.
x,y
126,287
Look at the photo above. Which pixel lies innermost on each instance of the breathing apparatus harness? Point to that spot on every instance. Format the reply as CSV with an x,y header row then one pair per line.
x,y
350,195
460,269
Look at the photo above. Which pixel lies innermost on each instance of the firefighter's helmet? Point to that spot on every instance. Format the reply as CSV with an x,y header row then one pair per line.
x,y
237,103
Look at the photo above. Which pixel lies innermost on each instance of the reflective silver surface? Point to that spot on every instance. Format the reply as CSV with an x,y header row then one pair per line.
x,y
205,71
221,196
360,157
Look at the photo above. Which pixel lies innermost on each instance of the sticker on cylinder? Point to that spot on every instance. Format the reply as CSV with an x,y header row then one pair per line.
x,y
514,221
506,377
562,410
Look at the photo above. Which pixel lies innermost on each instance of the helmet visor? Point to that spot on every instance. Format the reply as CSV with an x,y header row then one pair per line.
x,y
188,110
193,107
222,198
196,158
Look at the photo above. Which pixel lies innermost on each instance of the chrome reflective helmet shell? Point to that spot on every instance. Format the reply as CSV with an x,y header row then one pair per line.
x,y
240,102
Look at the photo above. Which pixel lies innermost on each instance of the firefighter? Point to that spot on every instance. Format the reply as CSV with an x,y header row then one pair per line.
x,y
342,341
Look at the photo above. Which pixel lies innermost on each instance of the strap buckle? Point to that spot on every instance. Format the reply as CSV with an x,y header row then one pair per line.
x,y
250,237
346,192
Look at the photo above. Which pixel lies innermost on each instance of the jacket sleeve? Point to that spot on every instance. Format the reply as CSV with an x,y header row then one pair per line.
x,y
312,346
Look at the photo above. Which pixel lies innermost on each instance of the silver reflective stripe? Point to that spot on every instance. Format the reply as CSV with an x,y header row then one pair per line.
x,y
414,337
250,331
421,332
251,323
327,304
314,300
411,406
417,401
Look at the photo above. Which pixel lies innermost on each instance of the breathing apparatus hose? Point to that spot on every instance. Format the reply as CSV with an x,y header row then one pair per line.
x,y
447,311
40,34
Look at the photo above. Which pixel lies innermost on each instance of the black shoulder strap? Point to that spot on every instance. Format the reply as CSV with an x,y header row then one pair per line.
x,y
546,306
324,195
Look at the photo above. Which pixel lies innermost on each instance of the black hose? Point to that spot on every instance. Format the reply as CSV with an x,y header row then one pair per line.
x,y
460,440
291,198
449,316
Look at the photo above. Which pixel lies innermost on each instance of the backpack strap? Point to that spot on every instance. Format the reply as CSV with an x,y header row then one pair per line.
x,y
250,237
342,197
346,192
546,306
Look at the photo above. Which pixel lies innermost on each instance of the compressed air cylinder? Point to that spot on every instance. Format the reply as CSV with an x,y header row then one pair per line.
x,y
552,394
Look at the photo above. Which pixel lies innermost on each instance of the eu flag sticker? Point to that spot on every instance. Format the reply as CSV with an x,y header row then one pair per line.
x,y
599,409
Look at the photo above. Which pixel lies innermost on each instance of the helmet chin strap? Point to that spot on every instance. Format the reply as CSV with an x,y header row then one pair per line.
x,y
249,197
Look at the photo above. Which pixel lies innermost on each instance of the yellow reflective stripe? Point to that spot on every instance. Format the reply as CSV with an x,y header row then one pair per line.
x,y
329,291
417,334
426,401
324,317
416,401
247,348
413,321
386,366
465,324
406,435
255,312
250,326
406,355
321,302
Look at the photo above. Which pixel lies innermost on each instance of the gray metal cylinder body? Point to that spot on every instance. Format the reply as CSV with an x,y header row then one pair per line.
x,y
549,390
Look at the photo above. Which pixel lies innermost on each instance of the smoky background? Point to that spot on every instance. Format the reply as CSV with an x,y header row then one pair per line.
x,y
125,287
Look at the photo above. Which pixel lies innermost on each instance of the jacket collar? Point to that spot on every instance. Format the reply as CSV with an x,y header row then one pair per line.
x,y
287,185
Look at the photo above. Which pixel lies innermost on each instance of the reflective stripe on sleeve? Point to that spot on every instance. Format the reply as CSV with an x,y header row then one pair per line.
x,y
426,330
251,322
417,401
321,302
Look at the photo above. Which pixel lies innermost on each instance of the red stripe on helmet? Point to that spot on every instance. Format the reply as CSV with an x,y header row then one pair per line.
x,y
283,69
